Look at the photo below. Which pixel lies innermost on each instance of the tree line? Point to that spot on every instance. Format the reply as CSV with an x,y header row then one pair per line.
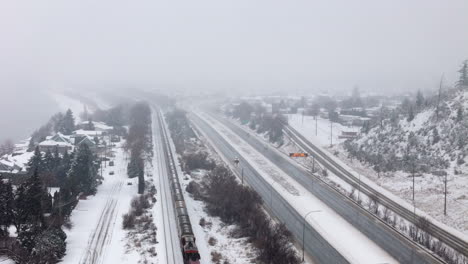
x,y
261,121
139,142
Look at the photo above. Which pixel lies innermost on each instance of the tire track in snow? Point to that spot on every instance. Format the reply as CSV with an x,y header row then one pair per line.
x,y
100,237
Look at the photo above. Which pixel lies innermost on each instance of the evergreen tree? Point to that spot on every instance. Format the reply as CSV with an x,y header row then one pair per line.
x,y
67,125
47,203
57,127
365,127
50,245
134,166
62,169
36,162
57,159
49,161
435,136
419,99
463,81
6,206
83,174
28,202
141,181
459,114
90,125
410,113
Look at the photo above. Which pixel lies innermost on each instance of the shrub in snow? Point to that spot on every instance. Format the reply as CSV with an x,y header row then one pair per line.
x,y
128,221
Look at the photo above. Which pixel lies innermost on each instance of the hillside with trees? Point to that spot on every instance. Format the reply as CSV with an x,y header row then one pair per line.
x,y
426,135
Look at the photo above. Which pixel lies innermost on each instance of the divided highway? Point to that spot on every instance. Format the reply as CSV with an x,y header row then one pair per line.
x,y
315,245
450,239
398,246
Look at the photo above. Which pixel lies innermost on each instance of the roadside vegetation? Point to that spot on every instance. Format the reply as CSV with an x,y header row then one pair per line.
x,y
260,120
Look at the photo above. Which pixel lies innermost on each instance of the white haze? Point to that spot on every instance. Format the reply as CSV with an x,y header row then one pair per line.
x,y
239,45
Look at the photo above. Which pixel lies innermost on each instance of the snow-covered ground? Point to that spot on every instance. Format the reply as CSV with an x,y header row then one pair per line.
x,y
214,235
97,234
429,188
351,243
429,191
324,131
6,260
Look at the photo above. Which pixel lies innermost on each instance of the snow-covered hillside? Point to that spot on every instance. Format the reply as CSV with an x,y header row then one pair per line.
x,y
431,146
429,143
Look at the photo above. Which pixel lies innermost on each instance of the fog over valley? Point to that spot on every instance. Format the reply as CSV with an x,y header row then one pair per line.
x,y
234,131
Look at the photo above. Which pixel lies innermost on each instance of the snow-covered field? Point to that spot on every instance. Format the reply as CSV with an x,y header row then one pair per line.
x,y
352,244
324,131
97,231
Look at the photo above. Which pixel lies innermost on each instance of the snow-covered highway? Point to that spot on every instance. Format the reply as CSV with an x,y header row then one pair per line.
x,y
376,233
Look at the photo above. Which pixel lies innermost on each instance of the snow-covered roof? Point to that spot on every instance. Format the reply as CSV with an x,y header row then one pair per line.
x,y
82,132
48,143
87,140
100,126
17,161
59,137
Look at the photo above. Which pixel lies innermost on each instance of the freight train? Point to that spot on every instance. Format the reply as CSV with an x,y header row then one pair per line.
x,y
187,238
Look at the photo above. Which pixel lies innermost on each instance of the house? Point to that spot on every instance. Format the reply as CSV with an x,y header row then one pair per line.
x,y
51,145
86,140
9,166
80,133
61,142
348,134
98,126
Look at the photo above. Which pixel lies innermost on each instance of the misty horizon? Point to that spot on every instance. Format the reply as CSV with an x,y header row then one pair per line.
x,y
236,47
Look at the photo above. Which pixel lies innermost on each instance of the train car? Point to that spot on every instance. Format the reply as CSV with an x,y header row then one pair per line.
x,y
189,248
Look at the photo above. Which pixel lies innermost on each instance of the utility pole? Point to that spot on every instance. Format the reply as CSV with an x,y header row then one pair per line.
x,y
313,164
242,175
331,133
445,195
316,120
359,189
438,97
413,179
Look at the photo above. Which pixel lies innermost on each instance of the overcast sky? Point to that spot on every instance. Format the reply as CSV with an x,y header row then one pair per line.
x,y
308,45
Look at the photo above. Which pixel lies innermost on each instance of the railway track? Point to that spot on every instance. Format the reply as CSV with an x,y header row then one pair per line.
x,y
184,242
172,248
101,235
445,236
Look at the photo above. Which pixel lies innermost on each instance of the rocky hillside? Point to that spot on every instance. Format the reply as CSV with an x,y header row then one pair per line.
x,y
428,137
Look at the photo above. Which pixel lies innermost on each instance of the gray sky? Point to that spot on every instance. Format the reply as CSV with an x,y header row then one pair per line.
x,y
267,45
